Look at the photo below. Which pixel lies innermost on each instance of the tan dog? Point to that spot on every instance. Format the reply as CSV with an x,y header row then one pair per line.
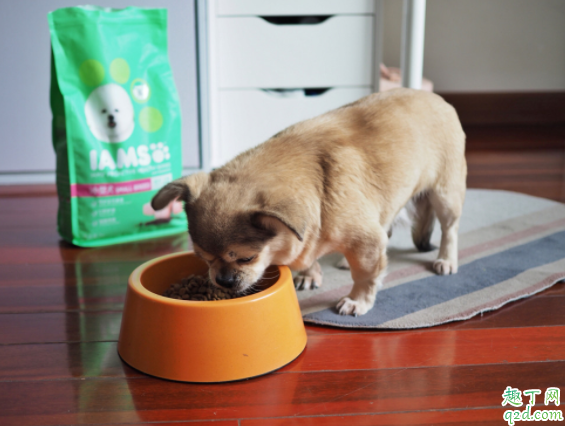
x,y
334,183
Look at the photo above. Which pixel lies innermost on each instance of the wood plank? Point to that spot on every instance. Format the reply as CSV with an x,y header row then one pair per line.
x,y
25,191
63,298
555,290
39,205
530,312
516,137
67,253
26,220
30,237
59,327
503,108
529,162
414,348
540,174
367,351
25,213
52,327
62,361
66,274
277,395
188,423
486,417
48,239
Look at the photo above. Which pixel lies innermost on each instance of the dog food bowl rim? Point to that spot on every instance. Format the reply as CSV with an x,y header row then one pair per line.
x,y
137,286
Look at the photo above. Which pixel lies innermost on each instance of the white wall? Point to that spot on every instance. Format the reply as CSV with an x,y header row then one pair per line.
x,y
487,45
25,116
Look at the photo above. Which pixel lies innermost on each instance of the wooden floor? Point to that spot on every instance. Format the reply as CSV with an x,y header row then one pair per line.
x,y
60,311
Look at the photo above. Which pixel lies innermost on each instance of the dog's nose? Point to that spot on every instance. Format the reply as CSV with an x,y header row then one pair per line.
x,y
111,117
227,281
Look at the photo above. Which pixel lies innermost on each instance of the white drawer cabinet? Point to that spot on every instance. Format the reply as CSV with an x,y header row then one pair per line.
x,y
254,52
258,59
293,7
249,117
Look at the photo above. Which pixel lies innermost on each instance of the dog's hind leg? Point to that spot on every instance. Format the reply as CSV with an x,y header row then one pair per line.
x,y
448,206
422,214
367,261
310,278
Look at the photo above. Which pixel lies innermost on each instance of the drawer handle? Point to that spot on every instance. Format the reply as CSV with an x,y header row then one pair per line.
x,y
316,91
296,20
297,93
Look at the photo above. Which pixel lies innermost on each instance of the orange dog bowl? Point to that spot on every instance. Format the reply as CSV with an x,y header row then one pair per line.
x,y
210,341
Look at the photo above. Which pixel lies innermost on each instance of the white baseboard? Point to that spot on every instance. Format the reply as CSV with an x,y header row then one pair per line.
x,y
31,178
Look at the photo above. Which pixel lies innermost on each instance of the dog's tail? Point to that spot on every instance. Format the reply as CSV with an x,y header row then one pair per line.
x,y
422,216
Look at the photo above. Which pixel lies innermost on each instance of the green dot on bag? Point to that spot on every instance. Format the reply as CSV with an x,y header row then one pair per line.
x,y
150,119
119,70
91,72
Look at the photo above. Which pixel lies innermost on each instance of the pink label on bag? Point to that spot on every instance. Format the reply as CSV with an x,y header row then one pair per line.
x,y
110,189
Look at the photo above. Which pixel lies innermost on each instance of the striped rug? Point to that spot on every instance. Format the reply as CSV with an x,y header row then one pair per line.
x,y
510,246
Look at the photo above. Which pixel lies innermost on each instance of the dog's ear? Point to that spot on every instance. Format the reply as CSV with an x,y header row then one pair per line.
x,y
186,188
272,220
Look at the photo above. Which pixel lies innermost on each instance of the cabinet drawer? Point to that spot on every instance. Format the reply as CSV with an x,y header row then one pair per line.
x,y
250,117
294,7
254,53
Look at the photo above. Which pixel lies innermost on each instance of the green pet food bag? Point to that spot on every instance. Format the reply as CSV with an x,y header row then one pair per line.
x,y
116,124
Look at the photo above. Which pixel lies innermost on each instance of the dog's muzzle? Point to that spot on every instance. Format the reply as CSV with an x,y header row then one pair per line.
x,y
226,280
111,122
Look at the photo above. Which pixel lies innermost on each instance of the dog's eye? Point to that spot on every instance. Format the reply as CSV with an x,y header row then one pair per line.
x,y
245,260
103,111
117,110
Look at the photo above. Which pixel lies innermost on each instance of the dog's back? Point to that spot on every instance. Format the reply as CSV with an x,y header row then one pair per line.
x,y
373,155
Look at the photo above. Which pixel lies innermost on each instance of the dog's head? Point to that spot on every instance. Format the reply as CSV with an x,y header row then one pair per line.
x,y
237,229
109,113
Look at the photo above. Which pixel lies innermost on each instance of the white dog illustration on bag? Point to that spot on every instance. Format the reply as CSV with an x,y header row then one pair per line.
x,y
109,113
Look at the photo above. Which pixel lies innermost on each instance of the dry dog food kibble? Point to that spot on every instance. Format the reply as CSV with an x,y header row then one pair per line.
x,y
197,287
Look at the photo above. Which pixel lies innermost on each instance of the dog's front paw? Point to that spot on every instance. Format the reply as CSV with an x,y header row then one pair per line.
x,y
445,267
310,278
348,306
306,282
